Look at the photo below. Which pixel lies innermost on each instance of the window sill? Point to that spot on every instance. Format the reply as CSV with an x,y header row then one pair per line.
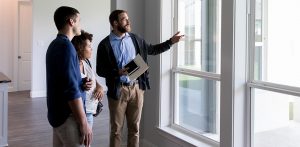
x,y
183,139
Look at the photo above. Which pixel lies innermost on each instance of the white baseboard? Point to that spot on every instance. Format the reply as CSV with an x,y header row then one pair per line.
x,y
38,94
12,87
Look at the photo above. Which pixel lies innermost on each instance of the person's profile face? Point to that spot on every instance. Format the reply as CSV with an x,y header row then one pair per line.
x,y
87,53
77,27
123,25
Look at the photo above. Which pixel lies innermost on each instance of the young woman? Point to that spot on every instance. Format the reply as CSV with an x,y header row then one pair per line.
x,y
82,44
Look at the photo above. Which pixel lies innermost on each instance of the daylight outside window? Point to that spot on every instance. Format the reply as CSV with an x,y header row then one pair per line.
x,y
275,83
196,68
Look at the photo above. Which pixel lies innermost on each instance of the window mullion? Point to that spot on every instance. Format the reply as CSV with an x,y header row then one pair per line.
x,y
201,74
290,90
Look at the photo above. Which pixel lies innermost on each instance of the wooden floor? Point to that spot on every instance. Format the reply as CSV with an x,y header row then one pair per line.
x,y
28,125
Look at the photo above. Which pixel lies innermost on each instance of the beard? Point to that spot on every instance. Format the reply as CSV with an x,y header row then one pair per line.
x,y
123,29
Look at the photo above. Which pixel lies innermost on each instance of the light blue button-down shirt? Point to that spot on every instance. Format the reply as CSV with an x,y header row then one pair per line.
x,y
124,51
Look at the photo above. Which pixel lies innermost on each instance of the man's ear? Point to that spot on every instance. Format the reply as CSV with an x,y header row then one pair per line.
x,y
71,22
115,22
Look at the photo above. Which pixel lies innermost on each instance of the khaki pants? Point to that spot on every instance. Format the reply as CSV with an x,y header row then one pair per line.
x,y
129,105
67,134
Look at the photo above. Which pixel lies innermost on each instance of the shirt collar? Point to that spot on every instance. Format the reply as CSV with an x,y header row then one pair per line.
x,y
62,36
113,36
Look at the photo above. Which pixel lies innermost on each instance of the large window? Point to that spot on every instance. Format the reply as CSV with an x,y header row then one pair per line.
x,y
253,98
196,68
275,77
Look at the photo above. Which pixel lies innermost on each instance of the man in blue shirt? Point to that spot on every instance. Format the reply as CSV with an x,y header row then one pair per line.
x,y
65,95
125,97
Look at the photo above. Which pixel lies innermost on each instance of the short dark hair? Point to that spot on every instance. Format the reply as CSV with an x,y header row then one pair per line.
x,y
63,14
114,15
79,42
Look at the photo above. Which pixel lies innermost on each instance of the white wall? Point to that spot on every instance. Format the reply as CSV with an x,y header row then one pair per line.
x,y
7,20
94,19
151,102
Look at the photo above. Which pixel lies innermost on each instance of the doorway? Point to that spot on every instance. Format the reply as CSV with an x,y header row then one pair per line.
x,y
24,45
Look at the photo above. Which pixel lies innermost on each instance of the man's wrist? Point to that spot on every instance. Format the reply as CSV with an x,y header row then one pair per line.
x,y
170,42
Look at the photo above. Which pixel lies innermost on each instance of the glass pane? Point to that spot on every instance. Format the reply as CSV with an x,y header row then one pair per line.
x,y
277,50
276,119
197,105
198,21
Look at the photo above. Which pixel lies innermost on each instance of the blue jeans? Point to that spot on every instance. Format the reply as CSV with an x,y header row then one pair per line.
x,y
90,119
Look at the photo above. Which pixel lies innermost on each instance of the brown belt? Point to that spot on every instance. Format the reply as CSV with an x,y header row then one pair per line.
x,y
132,83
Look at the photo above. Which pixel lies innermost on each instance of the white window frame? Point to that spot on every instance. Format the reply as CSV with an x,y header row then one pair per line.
x,y
205,38
257,84
234,113
185,71
236,78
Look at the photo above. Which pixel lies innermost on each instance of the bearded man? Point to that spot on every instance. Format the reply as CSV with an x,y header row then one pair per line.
x,y
125,96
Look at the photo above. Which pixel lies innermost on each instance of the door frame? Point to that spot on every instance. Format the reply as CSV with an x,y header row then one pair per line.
x,y
15,82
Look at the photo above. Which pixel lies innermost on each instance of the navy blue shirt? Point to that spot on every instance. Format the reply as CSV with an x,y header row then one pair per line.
x,y
63,79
